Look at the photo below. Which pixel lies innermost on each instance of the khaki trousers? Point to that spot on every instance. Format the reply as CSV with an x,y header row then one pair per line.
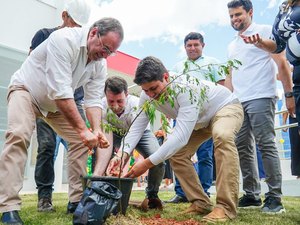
x,y
22,114
223,129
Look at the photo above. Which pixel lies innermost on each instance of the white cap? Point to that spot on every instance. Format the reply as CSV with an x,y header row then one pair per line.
x,y
79,10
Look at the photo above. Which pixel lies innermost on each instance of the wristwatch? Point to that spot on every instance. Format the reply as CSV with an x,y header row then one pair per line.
x,y
288,94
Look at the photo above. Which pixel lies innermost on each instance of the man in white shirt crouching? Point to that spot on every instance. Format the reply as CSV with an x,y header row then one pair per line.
x,y
202,109
119,110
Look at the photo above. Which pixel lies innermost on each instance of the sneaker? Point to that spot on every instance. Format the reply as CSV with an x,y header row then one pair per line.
x,y
45,205
177,199
11,217
249,202
273,205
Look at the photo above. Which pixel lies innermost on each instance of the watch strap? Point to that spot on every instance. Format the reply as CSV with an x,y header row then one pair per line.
x,y
288,94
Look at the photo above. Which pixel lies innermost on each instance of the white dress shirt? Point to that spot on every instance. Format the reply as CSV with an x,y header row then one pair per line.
x,y
58,66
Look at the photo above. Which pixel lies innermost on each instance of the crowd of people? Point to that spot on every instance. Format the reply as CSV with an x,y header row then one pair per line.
x,y
223,120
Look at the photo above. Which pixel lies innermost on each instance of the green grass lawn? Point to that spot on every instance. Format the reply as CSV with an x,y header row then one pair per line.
x,y
30,215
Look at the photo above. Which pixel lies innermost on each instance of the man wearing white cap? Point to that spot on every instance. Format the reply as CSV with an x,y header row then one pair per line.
x,y
75,14
44,88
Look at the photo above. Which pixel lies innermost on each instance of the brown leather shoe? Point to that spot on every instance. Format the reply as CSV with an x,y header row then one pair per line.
x,y
144,204
195,209
217,215
148,203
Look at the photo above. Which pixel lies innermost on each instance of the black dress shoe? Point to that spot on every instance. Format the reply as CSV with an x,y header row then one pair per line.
x,y
155,203
72,207
177,199
12,218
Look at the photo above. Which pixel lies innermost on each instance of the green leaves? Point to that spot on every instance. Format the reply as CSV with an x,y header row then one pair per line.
x,y
231,64
106,127
169,95
165,123
149,110
175,87
113,124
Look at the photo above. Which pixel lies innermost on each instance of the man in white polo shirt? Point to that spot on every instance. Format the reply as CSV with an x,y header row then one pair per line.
x,y
254,84
119,109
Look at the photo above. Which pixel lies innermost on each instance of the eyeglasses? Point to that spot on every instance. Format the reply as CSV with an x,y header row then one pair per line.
x,y
105,48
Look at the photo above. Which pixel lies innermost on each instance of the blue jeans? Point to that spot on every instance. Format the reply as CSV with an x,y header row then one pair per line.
x,y
204,168
44,168
147,145
58,141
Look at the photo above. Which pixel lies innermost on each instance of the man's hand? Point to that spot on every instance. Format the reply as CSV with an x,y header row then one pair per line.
x,y
113,168
139,168
102,140
252,39
159,133
89,139
290,105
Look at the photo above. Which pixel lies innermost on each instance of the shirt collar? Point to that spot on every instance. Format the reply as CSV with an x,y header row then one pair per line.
x,y
200,58
250,29
85,32
83,41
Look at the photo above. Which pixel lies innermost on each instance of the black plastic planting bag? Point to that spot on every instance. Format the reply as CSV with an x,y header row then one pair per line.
x,y
99,199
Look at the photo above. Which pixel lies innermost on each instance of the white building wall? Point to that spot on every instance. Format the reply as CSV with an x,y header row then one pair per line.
x,y
20,19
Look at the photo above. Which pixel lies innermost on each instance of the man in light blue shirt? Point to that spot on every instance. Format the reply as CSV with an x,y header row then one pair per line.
x,y
203,68
198,65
